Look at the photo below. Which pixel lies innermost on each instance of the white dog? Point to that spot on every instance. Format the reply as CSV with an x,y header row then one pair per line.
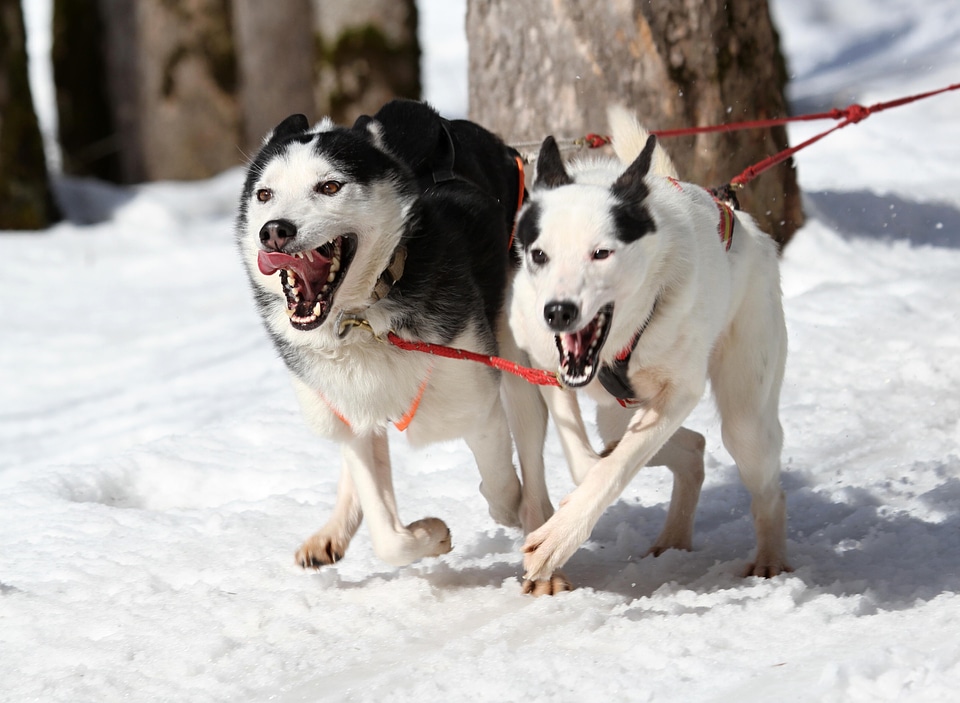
x,y
639,288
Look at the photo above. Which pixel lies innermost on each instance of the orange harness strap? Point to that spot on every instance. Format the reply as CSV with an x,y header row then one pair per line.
x,y
401,424
523,185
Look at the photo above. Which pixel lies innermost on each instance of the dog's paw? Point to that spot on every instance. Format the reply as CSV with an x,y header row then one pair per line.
x,y
434,534
683,542
767,570
321,550
548,548
557,583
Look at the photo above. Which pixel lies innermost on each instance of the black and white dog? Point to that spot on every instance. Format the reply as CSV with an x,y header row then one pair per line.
x,y
401,223
639,288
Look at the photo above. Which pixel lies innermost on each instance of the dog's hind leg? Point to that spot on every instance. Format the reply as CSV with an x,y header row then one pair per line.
x,y
683,455
746,374
328,545
368,460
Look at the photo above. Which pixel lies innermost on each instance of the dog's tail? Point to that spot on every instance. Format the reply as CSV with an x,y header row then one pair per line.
x,y
629,137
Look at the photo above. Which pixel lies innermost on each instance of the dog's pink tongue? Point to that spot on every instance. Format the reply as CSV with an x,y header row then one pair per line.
x,y
307,271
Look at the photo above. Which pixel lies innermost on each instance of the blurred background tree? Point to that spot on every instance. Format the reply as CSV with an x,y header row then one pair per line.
x,y
26,201
183,89
552,67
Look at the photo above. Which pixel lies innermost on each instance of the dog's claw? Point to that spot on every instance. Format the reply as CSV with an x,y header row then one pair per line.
x,y
319,551
557,583
766,570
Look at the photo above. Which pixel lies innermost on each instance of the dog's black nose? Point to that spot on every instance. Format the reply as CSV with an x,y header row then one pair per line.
x,y
276,233
561,315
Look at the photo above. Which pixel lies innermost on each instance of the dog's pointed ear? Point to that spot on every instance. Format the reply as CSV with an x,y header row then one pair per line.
x,y
550,170
295,124
630,185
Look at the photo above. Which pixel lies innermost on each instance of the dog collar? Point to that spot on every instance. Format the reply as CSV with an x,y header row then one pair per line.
x,y
613,377
346,321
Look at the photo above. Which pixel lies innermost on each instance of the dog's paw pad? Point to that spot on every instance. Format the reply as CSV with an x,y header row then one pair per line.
x,y
557,583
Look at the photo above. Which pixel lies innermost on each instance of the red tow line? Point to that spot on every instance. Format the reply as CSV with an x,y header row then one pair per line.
x,y
536,376
850,115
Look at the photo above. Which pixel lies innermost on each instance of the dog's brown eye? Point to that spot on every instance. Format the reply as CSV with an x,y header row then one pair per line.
x,y
328,188
538,256
264,194
600,254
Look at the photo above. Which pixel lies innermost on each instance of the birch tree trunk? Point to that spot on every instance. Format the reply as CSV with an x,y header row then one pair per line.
x,y
552,67
26,200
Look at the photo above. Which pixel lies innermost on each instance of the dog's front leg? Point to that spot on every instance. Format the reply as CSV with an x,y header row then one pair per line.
x,y
368,459
567,418
489,440
328,545
548,548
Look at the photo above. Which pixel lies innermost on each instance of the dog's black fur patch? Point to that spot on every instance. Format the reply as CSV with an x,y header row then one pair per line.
x,y
631,217
528,228
550,169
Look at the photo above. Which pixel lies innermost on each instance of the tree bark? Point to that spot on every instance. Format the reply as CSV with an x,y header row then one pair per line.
x,y
87,135
173,85
553,66
26,199
275,47
367,54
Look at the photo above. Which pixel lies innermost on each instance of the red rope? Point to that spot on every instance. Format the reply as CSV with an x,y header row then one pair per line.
x,y
850,115
537,376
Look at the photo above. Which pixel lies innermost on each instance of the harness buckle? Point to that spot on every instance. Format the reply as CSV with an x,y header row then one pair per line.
x,y
347,321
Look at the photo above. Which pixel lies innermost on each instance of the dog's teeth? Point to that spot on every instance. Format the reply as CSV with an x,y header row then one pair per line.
x,y
317,309
309,255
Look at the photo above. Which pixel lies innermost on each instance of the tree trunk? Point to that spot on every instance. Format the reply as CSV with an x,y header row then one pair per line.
x,y
26,200
275,47
173,84
87,136
368,53
552,67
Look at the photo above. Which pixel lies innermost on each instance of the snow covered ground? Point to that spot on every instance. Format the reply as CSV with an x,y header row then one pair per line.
x,y
156,476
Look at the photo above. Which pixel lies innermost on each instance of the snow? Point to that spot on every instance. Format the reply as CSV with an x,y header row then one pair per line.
x,y
156,476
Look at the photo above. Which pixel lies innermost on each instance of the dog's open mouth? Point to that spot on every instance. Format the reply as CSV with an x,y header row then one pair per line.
x,y
580,351
310,278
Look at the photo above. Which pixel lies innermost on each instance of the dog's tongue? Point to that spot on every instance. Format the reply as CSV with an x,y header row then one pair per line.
x,y
269,262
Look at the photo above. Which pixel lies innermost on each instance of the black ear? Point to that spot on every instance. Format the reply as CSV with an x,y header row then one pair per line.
x,y
630,186
550,170
295,124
